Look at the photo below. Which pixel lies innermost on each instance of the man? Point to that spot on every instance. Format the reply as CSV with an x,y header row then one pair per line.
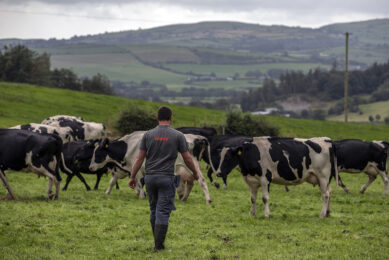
x,y
160,147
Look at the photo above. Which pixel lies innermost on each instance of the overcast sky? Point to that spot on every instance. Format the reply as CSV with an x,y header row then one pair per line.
x,y
66,18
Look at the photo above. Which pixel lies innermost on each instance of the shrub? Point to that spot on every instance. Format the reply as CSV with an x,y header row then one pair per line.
x,y
386,120
238,123
136,118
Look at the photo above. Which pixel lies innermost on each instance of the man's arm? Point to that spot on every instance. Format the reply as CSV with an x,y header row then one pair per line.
x,y
189,162
135,168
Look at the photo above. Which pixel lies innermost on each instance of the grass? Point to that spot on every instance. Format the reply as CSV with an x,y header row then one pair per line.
x,y
22,103
91,225
381,108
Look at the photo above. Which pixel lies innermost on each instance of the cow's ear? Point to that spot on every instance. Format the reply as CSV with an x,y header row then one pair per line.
x,y
105,143
239,150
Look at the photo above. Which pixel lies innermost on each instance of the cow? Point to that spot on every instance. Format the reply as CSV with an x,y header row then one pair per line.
x,y
285,161
82,130
77,158
203,131
124,150
65,133
212,156
356,156
26,150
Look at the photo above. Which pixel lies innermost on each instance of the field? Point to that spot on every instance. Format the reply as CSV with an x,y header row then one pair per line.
x,y
91,225
381,108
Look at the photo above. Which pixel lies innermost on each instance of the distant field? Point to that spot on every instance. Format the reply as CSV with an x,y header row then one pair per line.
x,y
223,84
381,108
116,66
230,70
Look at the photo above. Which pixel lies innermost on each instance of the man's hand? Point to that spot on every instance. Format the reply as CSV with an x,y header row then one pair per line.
x,y
132,183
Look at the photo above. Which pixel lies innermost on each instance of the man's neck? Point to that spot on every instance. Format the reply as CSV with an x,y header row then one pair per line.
x,y
164,123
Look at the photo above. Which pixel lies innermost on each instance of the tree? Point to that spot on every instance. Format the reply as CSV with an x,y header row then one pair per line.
x,y
378,117
98,84
371,118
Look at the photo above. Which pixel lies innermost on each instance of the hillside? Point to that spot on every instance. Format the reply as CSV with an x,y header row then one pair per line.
x,y
23,103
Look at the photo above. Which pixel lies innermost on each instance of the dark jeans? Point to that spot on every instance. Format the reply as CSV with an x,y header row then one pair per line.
x,y
161,190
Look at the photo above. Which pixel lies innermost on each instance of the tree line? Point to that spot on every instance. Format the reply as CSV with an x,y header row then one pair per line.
x,y
322,84
22,65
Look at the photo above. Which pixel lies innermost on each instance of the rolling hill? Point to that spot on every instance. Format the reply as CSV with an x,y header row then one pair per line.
x,y
22,103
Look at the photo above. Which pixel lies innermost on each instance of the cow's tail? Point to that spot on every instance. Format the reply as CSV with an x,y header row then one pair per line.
x,y
334,163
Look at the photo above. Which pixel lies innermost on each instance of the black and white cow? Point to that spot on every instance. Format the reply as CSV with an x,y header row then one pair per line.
x,y
25,150
77,158
356,156
65,133
203,131
216,144
82,130
285,161
124,150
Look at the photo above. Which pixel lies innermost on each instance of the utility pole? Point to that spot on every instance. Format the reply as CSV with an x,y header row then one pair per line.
x,y
346,83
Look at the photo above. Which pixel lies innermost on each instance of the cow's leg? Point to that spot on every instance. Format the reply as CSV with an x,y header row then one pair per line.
x,y
6,185
181,189
78,174
204,187
265,194
98,181
138,187
385,180
341,184
111,183
49,189
253,184
68,179
224,182
117,185
286,188
325,194
371,179
214,183
188,188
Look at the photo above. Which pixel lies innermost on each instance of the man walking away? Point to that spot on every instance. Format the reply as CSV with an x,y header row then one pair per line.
x,y
160,147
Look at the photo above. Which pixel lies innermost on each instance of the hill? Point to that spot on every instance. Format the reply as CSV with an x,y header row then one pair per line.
x,y
23,103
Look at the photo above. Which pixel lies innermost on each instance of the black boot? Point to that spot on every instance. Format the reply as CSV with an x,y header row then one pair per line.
x,y
159,237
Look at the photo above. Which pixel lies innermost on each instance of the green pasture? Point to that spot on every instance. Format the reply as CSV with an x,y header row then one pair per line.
x,y
22,103
381,108
82,49
230,70
116,66
92,225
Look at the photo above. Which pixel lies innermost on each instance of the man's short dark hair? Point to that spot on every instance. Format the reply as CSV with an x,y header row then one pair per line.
x,y
164,113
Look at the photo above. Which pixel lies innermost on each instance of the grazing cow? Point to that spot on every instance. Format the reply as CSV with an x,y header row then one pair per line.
x,y
124,150
216,144
82,130
39,153
77,158
65,133
356,156
286,161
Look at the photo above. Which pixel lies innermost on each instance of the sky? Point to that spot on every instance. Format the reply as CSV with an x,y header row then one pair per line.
x,y
62,19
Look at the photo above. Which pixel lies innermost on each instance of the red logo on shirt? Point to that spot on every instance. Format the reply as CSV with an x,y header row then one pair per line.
x,y
161,138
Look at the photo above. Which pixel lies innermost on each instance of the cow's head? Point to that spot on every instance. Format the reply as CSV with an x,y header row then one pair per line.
x,y
246,155
86,151
200,145
229,159
100,155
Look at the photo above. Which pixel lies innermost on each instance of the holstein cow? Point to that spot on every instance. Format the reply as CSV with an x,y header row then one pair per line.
x,y
82,130
356,156
216,144
25,150
203,131
65,133
124,150
77,158
286,161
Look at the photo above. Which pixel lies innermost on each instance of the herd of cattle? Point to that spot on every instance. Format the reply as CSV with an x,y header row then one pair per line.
x,y
75,146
